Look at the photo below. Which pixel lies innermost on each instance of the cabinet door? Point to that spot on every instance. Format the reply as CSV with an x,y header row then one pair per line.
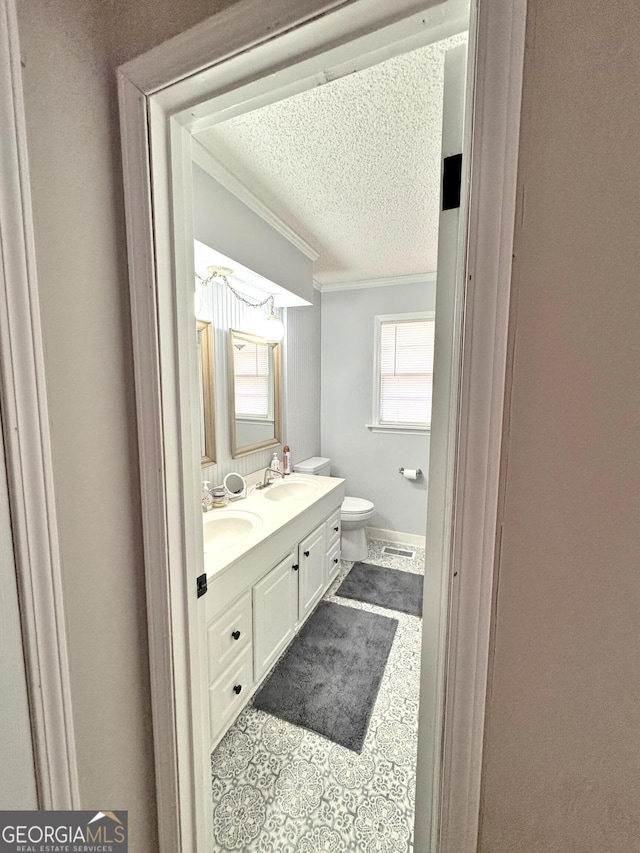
x,y
275,600
312,571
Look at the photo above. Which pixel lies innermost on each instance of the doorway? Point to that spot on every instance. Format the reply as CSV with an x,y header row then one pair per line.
x,y
380,128
154,103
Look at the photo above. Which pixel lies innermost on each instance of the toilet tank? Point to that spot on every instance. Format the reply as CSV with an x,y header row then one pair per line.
x,y
315,465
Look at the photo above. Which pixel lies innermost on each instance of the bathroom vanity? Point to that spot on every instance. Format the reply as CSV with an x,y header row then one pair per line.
x,y
268,560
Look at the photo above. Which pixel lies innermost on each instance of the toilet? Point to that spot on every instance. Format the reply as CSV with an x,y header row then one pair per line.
x,y
355,513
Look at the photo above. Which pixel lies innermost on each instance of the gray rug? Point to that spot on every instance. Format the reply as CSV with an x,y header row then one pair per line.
x,y
384,587
329,678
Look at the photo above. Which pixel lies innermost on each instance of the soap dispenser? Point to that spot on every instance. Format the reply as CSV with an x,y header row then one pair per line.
x,y
275,462
207,497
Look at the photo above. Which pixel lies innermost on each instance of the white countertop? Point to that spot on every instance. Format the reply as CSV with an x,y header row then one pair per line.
x,y
267,515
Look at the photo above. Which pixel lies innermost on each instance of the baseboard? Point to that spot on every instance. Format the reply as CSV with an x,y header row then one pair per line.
x,y
395,536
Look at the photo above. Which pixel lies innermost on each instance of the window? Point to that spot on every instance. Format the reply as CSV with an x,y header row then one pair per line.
x,y
251,368
403,372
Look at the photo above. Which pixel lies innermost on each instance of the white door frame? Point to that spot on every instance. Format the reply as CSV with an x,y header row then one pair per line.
x,y
229,57
25,430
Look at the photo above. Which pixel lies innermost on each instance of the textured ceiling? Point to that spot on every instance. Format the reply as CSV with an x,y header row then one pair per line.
x,y
352,166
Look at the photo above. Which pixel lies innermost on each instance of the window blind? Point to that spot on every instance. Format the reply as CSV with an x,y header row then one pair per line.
x,y
251,368
406,371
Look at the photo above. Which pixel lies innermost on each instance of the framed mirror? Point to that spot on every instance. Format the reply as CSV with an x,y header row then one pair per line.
x,y
255,383
204,336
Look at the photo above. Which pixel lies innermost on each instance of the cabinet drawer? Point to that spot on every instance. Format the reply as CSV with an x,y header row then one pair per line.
x,y
228,636
229,693
333,527
333,561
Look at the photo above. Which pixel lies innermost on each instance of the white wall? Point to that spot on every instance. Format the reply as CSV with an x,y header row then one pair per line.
x,y
369,461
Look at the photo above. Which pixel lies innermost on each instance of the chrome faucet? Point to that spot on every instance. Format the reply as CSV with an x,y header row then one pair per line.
x,y
268,474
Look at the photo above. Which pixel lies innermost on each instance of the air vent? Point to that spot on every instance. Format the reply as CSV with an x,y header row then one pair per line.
x,y
398,552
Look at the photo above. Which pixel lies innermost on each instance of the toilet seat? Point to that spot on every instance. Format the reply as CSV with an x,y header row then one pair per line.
x,y
355,507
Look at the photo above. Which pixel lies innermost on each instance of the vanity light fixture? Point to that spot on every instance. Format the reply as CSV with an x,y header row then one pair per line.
x,y
272,329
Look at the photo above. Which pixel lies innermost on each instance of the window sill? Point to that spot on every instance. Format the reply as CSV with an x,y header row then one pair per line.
x,y
401,429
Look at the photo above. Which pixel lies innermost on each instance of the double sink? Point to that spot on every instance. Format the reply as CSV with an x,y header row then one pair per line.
x,y
226,528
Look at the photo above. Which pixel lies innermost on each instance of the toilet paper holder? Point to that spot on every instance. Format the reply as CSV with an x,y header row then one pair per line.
x,y
418,471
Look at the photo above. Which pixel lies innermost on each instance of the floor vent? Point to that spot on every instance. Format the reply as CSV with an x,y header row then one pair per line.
x,y
398,552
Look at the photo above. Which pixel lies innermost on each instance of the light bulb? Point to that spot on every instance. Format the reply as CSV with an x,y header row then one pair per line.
x,y
272,329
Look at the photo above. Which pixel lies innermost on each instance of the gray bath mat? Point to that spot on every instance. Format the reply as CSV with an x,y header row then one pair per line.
x,y
328,680
384,587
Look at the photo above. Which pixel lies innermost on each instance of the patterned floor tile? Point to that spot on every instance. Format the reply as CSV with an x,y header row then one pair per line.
x,y
278,788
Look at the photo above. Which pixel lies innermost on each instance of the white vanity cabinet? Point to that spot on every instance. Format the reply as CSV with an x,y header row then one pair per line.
x,y
256,603
275,613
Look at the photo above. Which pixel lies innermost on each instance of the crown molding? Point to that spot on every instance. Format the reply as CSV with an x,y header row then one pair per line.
x,y
392,281
205,159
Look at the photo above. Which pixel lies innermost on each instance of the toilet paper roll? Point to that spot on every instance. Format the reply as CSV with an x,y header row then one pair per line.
x,y
410,473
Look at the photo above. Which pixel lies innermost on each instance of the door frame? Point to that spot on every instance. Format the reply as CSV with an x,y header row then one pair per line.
x,y
158,95
27,446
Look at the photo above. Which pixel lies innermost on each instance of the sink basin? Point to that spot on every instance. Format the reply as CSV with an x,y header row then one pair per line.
x,y
289,491
228,528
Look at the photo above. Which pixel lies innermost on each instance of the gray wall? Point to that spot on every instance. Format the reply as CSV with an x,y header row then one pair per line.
x,y
69,52
222,221
17,778
226,224
220,307
562,747
369,461
302,410
301,378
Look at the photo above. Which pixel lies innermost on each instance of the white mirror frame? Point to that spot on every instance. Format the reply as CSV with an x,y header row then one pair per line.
x,y
153,90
